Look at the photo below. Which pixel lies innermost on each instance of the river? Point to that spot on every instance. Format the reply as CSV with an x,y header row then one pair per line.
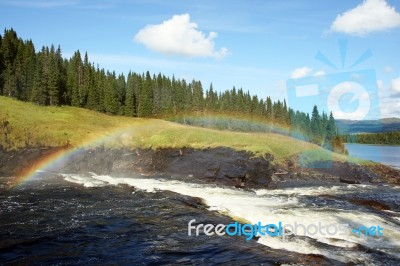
x,y
385,154
70,219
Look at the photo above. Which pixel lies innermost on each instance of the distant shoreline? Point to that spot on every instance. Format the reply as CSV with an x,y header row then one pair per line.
x,y
386,154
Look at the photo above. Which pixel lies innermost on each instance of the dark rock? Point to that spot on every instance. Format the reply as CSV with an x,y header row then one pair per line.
x,y
371,204
349,181
221,165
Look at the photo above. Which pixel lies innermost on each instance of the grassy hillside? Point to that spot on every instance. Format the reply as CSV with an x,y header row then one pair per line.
x,y
27,125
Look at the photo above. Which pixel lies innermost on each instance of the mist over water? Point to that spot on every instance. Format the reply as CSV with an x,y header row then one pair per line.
x,y
89,218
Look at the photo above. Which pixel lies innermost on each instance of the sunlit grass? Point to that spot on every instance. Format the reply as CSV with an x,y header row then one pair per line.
x,y
36,126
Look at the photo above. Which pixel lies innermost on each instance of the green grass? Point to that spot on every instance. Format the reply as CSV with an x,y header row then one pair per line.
x,y
35,126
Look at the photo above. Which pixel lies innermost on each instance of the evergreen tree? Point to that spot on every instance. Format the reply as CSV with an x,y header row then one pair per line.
x,y
39,93
62,76
45,78
157,95
120,90
75,80
198,98
1,66
52,76
9,47
316,128
270,112
331,127
110,94
93,90
211,100
167,97
130,99
187,96
145,107
28,70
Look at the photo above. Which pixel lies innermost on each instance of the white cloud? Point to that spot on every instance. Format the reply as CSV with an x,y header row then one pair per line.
x,y
370,16
319,73
179,36
306,71
388,69
389,98
390,107
301,72
396,84
379,83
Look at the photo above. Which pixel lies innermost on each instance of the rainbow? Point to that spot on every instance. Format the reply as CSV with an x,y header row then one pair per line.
x,y
59,155
263,126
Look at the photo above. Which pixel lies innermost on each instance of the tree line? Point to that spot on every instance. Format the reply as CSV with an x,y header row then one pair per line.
x,y
44,77
387,138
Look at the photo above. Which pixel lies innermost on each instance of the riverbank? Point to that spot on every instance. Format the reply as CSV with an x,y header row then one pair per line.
x,y
113,192
221,165
83,140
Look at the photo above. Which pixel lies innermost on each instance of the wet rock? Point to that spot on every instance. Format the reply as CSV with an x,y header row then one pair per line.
x,y
371,203
336,171
220,165
349,181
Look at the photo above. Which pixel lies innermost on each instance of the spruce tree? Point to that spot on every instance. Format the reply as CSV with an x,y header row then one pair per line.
x,y
198,97
1,66
270,112
9,47
39,93
331,127
316,128
52,76
45,78
145,107
75,79
120,90
130,96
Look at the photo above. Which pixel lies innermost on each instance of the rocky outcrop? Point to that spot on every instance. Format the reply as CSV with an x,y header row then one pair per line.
x,y
220,165
217,165
336,171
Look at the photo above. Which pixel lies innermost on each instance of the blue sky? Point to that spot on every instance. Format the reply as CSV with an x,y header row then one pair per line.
x,y
256,45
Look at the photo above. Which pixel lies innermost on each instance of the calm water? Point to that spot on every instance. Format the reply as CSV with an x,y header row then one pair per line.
x,y
389,155
69,219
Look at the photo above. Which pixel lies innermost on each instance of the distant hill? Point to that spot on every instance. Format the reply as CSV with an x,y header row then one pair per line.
x,y
368,126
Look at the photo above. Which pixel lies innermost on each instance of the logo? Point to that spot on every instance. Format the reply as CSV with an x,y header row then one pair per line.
x,y
281,230
368,231
351,94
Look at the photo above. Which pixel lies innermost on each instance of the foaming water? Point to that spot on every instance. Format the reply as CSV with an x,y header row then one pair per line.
x,y
83,180
290,206
51,221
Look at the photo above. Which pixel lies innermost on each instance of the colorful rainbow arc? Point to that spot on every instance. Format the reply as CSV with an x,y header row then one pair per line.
x,y
59,155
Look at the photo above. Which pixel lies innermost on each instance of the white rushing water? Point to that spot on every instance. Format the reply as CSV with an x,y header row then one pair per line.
x,y
283,205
